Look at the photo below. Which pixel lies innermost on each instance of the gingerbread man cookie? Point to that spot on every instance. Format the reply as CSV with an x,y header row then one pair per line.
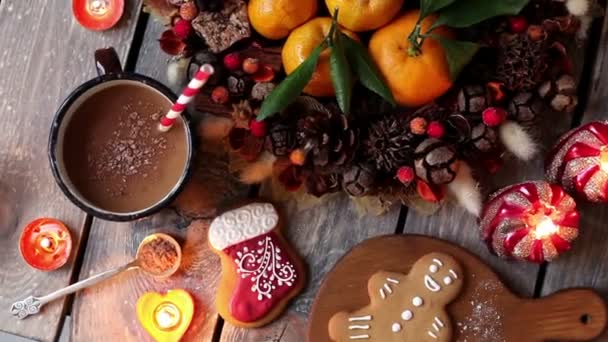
x,y
260,271
405,307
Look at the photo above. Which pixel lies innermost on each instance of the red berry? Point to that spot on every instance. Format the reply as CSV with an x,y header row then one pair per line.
x,y
435,129
220,95
251,65
188,10
418,125
406,174
232,61
258,128
493,116
182,29
518,24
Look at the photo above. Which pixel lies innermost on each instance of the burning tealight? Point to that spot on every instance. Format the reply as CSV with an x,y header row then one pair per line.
x,y
579,162
98,15
532,221
45,244
165,317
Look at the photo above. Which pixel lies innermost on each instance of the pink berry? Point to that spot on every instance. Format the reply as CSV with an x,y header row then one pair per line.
x,y
232,61
182,29
435,129
518,24
493,116
406,174
258,128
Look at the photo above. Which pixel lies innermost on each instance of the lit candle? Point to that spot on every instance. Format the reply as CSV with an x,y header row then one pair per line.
x,y
579,162
98,15
166,317
45,244
532,221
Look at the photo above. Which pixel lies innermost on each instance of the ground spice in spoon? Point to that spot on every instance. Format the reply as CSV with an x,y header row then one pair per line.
x,y
158,256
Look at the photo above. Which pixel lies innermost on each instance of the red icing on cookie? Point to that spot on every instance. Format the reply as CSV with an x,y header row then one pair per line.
x,y
266,274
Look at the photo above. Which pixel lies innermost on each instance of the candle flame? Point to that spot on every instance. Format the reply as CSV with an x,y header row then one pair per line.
x,y
604,159
545,228
98,7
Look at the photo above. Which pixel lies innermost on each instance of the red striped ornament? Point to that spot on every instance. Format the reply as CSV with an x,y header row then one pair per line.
x,y
579,161
194,87
531,221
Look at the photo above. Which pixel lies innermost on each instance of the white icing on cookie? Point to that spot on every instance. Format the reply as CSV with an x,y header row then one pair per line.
x,y
453,274
407,315
360,318
382,294
432,335
391,280
242,224
396,327
447,280
353,327
359,337
439,322
431,284
265,267
433,268
417,301
438,262
388,288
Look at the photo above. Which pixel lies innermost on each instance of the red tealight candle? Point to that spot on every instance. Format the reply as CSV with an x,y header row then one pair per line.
x,y
45,244
532,221
98,15
579,162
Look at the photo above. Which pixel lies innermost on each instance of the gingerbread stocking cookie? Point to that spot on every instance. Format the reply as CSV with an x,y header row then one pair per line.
x,y
405,307
260,271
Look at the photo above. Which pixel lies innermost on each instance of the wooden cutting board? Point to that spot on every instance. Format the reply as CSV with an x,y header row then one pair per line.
x,y
485,309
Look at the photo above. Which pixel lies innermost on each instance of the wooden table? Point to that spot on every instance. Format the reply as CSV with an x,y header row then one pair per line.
x,y
44,54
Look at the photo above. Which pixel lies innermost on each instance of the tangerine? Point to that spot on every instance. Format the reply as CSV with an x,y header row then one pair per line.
x,y
364,15
274,19
414,79
300,44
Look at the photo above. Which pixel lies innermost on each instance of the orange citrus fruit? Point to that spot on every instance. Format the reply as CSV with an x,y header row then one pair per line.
x,y
274,19
414,80
299,46
364,15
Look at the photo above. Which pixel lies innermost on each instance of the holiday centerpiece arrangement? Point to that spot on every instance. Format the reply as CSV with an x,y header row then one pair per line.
x,y
388,103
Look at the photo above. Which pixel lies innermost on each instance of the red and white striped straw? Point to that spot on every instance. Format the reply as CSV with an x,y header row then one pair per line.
x,y
198,81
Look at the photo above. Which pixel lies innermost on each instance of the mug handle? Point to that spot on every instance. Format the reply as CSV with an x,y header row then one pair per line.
x,y
107,61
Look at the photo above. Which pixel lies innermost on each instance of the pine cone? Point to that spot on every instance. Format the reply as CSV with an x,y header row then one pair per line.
x,y
319,185
359,180
484,138
525,108
560,93
389,144
522,62
280,140
472,99
436,162
329,139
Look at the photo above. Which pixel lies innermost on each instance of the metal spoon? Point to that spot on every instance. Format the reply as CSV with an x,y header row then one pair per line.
x,y
31,305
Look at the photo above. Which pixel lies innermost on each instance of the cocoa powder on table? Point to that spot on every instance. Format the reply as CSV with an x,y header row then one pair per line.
x,y
158,256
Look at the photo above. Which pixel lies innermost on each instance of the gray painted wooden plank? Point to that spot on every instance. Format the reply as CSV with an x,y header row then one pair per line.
x,y
321,235
44,54
585,265
112,304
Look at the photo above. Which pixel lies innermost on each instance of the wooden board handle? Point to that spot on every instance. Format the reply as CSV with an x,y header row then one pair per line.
x,y
570,315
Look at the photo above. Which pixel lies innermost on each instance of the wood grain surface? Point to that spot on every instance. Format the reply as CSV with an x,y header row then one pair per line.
x,y
321,234
112,305
585,265
45,54
485,310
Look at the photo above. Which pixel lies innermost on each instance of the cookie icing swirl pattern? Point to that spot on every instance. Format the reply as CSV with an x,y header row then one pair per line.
x,y
242,224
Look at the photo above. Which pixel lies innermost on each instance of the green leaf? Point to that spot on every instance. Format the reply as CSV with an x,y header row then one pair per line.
x,y
365,68
464,13
291,86
431,6
458,53
341,75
